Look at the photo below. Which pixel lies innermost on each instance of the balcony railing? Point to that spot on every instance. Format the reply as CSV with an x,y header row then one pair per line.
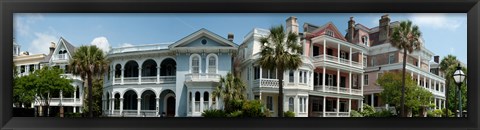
x,y
330,88
128,80
335,59
196,77
344,90
335,90
357,91
344,114
61,57
337,114
168,79
159,46
149,79
270,83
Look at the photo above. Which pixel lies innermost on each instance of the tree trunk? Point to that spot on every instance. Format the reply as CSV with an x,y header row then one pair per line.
x,y
280,92
90,100
402,104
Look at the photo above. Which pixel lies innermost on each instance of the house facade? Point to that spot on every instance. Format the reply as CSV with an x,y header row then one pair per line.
x,y
175,79
59,56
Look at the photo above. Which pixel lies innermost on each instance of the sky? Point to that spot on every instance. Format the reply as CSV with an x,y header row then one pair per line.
x,y
443,33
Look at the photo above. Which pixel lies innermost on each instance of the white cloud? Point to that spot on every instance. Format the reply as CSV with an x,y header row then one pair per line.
x,y
41,43
436,21
22,23
102,43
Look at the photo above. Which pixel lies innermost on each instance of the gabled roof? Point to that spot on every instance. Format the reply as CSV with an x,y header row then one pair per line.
x,y
203,32
70,48
323,28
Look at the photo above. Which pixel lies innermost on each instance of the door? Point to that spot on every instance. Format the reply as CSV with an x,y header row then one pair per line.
x,y
171,106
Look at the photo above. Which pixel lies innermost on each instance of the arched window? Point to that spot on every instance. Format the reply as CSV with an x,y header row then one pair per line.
x,y
131,69
212,65
118,70
197,101
195,64
205,101
291,104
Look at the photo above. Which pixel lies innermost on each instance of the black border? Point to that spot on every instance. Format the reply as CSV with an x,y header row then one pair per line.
x,y
8,7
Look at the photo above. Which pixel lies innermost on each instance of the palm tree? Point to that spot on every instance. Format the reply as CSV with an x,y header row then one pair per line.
x,y
230,88
280,52
448,66
407,38
89,62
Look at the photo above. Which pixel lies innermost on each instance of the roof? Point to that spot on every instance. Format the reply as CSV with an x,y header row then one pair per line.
x,y
70,47
199,32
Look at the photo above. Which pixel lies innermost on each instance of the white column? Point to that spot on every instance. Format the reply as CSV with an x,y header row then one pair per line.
x,y
261,71
411,74
121,105
139,75
349,105
209,100
418,79
123,75
360,102
193,102
350,56
444,106
201,102
323,79
429,83
361,82
362,59
158,75
338,105
157,105
324,105
434,85
435,101
139,105
424,82
338,53
419,61
350,81
113,77
311,48
112,105
338,80
324,49
75,99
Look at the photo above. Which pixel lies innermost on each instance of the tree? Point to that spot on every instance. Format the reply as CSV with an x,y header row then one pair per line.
x,y
416,97
449,65
88,62
230,88
407,38
97,97
280,51
38,85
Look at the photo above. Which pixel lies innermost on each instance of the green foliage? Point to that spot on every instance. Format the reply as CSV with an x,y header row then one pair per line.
x,y
73,114
383,113
237,113
368,110
89,62
449,65
232,90
450,113
97,98
415,96
253,108
435,113
354,113
289,114
214,113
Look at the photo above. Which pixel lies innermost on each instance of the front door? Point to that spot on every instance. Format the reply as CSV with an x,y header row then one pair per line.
x,y
171,106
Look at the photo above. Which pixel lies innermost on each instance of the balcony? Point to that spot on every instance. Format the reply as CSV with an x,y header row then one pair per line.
x,y
196,77
334,89
160,46
61,57
329,58
147,80
268,83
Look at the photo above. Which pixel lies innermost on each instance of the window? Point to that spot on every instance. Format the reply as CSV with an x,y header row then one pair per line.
x,y
316,105
256,70
270,103
291,76
315,79
365,80
365,40
330,33
212,64
197,101
373,61
205,101
196,64
305,77
291,104
391,58
303,104
22,69
31,68
301,76
343,81
330,80
365,61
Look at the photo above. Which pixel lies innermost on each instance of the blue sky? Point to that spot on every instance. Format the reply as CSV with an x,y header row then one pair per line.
x,y
444,33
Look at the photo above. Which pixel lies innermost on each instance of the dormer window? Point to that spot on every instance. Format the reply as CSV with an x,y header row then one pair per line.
x,y
365,40
329,33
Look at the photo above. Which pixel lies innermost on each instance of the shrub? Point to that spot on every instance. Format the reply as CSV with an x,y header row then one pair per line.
x,y
383,113
253,108
233,105
354,113
368,111
214,113
435,113
73,114
237,113
289,114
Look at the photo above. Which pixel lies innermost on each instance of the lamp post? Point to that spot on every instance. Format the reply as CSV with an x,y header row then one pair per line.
x,y
459,76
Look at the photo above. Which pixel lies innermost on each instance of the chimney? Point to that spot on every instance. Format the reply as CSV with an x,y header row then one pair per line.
x,y
52,47
292,24
384,28
351,30
230,37
436,59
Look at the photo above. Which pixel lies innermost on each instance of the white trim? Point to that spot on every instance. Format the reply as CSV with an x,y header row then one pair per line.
x,y
199,63
165,101
208,62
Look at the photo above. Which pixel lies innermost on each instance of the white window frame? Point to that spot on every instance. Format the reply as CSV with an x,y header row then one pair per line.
x,y
343,54
367,41
365,61
270,103
199,63
330,33
365,79
291,104
291,78
391,56
330,79
208,63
